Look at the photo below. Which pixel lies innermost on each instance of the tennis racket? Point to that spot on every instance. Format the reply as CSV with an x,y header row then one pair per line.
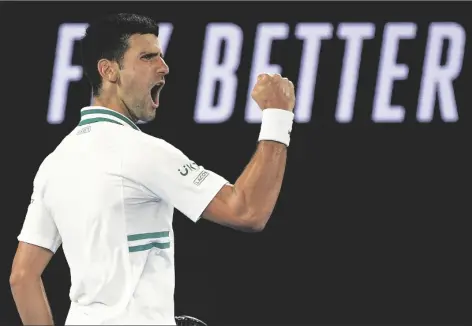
x,y
188,321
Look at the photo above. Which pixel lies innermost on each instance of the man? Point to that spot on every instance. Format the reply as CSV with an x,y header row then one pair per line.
x,y
108,191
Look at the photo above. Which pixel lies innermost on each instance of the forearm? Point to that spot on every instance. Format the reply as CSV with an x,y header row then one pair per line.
x,y
248,205
31,302
259,185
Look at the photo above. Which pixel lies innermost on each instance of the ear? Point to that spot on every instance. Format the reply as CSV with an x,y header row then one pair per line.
x,y
108,70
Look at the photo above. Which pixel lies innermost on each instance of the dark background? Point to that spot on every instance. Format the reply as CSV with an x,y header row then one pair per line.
x,y
370,225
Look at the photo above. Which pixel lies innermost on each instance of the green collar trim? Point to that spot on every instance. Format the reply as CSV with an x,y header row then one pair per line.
x,y
95,114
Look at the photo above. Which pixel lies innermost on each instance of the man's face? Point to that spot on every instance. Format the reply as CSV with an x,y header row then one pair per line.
x,y
142,76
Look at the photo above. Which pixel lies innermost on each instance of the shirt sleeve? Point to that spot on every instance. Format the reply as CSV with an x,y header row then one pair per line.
x,y
39,227
171,175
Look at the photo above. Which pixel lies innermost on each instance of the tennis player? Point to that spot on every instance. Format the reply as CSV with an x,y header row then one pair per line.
x,y
108,191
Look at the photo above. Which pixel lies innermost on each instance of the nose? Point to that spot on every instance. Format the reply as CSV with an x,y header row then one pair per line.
x,y
163,67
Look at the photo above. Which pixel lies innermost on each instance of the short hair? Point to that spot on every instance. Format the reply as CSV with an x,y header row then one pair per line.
x,y
108,39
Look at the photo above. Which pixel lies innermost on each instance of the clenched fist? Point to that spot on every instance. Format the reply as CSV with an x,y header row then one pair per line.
x,y
273,91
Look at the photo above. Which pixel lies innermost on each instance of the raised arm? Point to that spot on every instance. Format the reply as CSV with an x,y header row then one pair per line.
x,y
248,204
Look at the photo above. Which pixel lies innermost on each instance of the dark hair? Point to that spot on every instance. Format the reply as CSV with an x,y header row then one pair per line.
x,y
108,39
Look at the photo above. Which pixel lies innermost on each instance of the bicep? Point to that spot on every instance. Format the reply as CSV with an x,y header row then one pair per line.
x,y
39,237
38,241
39,227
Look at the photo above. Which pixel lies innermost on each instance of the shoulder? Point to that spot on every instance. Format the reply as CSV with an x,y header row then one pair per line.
x,y
51,162
43,172
145,156
141,143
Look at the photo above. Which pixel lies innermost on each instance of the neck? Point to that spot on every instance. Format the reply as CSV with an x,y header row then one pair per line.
x,y
113,104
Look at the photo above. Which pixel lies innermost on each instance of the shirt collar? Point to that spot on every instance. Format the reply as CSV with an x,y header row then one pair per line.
x,y
92,114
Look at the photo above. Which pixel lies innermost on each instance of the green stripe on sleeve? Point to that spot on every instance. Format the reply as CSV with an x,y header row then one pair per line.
x,y
153,235
164,245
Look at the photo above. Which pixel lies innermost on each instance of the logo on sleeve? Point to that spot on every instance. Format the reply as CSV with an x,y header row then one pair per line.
x,y
199,179
84,130
187,168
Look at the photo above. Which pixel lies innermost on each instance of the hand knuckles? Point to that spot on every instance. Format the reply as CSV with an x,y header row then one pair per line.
x,y
262,77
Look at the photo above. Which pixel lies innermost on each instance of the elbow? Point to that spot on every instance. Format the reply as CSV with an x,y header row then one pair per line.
x,y
256,228
16,278
19,277
254,223
249,217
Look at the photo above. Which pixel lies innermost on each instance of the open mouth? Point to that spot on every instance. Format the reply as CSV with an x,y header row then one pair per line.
x,y
155,92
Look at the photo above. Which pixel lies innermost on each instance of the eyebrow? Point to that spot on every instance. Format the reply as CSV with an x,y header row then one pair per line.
x,y
153,53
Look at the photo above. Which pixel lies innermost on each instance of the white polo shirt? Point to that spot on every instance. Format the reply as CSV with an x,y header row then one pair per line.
x,y
107,194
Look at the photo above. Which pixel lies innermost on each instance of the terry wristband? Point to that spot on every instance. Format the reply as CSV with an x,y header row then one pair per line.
x,y
276,125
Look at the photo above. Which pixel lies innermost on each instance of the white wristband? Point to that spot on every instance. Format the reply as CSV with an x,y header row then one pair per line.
x,y
276,125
